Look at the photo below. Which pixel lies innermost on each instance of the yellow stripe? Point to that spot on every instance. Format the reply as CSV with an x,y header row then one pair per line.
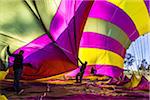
x,y
99,56
108,29
137,11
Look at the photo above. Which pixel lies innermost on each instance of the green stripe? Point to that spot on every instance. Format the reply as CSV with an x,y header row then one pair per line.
x,y
108,29
47,10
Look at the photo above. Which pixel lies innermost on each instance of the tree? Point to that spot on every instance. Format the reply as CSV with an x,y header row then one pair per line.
x,y
129,59
143,65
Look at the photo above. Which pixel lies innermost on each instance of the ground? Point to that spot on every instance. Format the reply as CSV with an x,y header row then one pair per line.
x,y
68,89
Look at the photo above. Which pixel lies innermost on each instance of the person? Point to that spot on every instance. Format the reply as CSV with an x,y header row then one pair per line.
x,y
2,66
93,71
80,74
17,68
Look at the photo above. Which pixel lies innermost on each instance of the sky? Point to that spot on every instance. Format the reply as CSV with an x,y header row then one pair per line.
x,y
140,49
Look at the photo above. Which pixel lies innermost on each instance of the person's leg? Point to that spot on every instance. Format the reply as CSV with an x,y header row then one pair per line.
x,y
15,80
18,79
81,75
20,90
77,77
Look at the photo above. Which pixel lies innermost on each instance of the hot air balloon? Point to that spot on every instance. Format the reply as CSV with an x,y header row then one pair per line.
x,y
55,33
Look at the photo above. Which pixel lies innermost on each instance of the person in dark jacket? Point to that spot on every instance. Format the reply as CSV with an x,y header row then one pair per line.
x,y
93,71
17,68
2,66
80,74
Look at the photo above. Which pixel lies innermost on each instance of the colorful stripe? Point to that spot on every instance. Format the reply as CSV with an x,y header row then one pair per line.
x,y
107,70
87,71
109,12
137,11
69,39
106,28
33,46
50,61
99,56
62,18
94,40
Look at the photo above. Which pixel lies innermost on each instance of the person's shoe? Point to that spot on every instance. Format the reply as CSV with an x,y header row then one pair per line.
x,y
21,91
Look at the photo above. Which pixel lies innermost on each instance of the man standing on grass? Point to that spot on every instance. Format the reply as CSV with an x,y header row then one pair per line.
x,y
17,68
80,74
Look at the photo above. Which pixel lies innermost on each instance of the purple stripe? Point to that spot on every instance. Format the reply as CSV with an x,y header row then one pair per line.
x,y
147,3
47,56
107,70
86,73
62,17
70,37
65,13
95,40
110,12
34,46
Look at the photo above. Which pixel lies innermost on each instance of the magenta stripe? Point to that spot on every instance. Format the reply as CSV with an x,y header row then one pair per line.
x,y
69,39
61,18
107,70
147,3
64,14
95,40
76,71
108,11
34,46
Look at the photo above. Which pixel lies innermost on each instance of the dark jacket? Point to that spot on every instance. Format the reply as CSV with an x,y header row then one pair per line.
x,y
18,61
82,68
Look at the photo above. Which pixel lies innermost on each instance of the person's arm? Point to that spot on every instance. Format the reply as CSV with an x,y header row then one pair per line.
x,y
27,64
80,61
9,52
